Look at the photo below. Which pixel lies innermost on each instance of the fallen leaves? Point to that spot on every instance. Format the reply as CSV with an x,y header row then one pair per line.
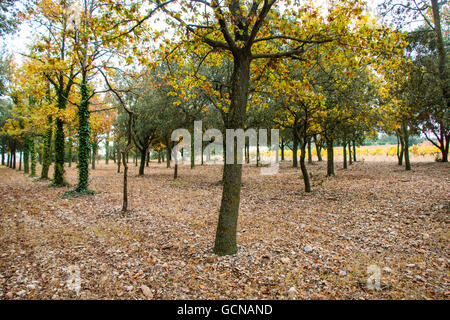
x,y
320,244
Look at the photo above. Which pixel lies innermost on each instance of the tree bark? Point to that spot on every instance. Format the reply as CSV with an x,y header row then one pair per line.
x,y
175,171
294,151
402,149
445,150
26,156
94,154
32,158
20,160
350,160
345,154
168,152
442,54
310,160
142,163
318,149
47,154
225,242
119,160
107,148
303,166
330,157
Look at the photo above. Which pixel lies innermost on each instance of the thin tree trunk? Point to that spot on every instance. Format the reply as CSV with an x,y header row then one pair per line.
x,y
258,156
350,160
20,160
294,151
303,166
119,160
70,151
192,150
47,155
94,152
354,151
330,157
142,164
310,160
32,158
168,151
345,154
406,150
402,150
318,149
26,156
107,148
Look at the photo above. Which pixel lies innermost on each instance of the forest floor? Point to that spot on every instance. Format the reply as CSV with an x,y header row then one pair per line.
x,y
372,219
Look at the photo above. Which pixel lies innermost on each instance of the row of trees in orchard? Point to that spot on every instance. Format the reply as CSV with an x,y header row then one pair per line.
x,y
107,72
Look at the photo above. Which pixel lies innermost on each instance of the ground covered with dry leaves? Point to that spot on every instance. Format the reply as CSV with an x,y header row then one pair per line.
x,y
292,245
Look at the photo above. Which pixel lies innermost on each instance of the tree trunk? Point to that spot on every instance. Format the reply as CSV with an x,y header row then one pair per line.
x,y
70,151
350,160
58,175
20,160
14,157
47,154
107,148
442,54
294,151
402,150
310,160
247,151
303,166
406,150
192,149
330,157
354,151
258,156
445,150
175,171
282,149
32,158
83,141
26,156
119,160
94,153
142,164
345,154
225,242
125,183
318,149
168,151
